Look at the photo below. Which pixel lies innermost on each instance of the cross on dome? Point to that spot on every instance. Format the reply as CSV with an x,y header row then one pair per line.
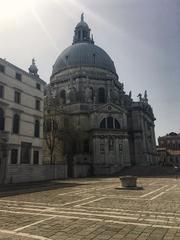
x,y
82,17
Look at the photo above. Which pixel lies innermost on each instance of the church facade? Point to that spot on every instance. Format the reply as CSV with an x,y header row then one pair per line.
x,y
110,130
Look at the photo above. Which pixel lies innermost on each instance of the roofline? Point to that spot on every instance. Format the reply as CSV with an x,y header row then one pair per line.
x,y
66,67
82,65
169,136
23,71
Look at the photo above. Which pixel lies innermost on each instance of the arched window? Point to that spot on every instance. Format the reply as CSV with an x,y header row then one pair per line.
x,y
91,93
101,95
103,123
117,124
37,128
1,120
86,146
84,35
16,122
79,35
67,60
94,58
63,96
110,122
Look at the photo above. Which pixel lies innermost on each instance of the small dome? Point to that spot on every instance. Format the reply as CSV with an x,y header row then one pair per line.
x,y
83,54
82,23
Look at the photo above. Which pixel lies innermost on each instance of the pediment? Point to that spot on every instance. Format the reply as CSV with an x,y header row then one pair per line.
x,y
109,108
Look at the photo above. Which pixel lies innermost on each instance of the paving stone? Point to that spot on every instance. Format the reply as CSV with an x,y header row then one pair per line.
x,y
99,211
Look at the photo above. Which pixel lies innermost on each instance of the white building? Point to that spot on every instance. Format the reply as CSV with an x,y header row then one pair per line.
x,y
21,123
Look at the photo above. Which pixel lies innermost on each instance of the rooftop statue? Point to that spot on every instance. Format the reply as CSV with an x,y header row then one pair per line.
x,y
145,97
33,68
140,97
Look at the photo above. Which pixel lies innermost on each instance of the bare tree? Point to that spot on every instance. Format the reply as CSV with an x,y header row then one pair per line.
x,y
60,130
51,123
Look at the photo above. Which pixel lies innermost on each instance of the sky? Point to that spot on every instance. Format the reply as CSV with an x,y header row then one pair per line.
x,y
141,36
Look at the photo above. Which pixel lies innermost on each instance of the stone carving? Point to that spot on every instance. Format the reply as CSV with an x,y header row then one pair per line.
x,y
145,97
121,86
33,68
68,94
113,96
73,95
140,97
89,94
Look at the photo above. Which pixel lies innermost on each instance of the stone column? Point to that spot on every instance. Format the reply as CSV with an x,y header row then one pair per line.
x,y
19,155
118,160
94,150
3,159
32,151
40,156
126,153
106,153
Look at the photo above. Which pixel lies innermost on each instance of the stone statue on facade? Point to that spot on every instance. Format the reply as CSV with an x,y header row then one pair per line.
x,y
140,97
114,97
145,97
73,95
88,92
68,94
33,70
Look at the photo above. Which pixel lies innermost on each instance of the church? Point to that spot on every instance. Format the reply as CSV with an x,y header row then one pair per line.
x,y
108,130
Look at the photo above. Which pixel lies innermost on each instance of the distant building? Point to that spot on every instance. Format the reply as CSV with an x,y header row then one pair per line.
x,y
169,149
115,130
21,123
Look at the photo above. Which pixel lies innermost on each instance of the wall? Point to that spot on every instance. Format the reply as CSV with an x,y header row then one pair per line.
x,y
31,173
28,113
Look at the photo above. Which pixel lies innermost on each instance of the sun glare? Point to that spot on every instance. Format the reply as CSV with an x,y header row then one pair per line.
x,y
12,9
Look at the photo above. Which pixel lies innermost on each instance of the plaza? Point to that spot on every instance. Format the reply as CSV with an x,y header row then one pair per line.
x,y
93,208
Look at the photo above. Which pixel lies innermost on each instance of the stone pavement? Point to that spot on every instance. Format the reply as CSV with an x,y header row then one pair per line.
x,y
85,209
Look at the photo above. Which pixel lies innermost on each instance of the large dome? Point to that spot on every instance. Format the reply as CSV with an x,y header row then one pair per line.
x,y
83,54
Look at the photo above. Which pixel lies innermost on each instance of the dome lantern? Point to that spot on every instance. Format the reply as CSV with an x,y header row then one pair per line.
x,y
82,32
